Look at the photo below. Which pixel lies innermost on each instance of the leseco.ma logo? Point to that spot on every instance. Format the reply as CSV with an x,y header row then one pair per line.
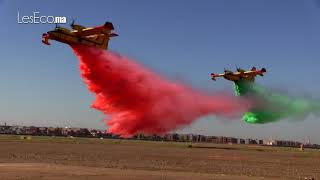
x,y
37,18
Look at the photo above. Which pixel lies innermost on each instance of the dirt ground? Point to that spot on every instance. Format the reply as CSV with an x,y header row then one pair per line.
x,y
76,158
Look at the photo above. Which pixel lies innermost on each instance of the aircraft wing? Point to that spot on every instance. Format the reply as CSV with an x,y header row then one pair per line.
x,y
104,29
95,31
89,32
254,71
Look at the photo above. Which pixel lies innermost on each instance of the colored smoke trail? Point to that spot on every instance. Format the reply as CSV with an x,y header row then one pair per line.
x,y
137,100
270,106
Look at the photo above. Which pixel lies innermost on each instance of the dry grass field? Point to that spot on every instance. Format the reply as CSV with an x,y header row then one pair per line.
x,y
83,158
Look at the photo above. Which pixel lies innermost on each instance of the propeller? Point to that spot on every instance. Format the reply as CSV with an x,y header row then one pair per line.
x,y
240,70
226,70
72,24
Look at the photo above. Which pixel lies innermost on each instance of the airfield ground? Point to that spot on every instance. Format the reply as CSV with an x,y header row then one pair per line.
x,y
84,158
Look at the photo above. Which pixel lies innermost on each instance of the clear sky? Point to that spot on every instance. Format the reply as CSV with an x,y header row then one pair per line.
x,y
182,40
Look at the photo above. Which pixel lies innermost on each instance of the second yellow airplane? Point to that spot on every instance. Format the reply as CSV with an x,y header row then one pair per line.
x,y
240,74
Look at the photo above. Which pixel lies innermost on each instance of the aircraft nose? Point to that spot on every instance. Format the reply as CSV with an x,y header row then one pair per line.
x,y
45,35
50,34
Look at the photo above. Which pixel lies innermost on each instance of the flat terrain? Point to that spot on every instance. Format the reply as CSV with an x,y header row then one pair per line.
x,y
80,158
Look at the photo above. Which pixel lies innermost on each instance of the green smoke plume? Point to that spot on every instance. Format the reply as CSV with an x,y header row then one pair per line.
x,y
270,106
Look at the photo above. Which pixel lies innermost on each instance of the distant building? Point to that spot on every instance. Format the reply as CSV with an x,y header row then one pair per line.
x,y
241,141
85,132
251,141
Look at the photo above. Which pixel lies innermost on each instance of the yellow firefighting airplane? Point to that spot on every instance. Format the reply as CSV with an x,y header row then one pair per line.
x,y
240,74
95,37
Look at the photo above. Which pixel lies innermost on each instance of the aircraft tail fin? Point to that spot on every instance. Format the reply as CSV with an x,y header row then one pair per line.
x,y
213,76
109,25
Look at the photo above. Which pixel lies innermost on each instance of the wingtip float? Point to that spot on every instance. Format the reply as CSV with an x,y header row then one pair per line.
x,y
94,37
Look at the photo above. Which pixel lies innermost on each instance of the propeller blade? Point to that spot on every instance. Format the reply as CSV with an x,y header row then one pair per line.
x,y
57,26
72,24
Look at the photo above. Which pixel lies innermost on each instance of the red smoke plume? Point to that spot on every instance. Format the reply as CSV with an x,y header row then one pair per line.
x,y
140,101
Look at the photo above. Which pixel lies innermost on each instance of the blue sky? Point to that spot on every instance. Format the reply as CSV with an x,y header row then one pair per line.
x,y
179,39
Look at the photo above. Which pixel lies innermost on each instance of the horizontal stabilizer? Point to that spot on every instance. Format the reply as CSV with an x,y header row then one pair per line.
x,y
113,35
